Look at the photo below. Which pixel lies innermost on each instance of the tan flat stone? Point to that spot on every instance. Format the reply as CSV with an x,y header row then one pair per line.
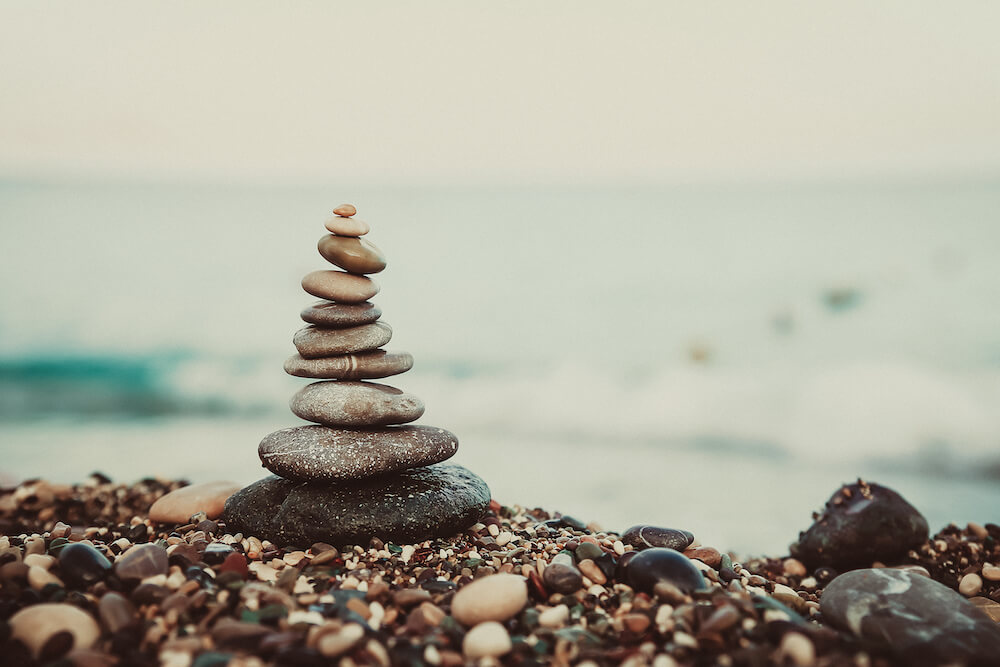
x,y
347,226
349,403
362,366
345,210
177,506
354,255
313,342
340,286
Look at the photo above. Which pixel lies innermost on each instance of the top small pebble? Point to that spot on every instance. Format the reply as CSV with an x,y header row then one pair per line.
x,y
345,210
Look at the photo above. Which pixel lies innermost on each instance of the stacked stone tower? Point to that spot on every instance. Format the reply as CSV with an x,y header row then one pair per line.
x,y
357,472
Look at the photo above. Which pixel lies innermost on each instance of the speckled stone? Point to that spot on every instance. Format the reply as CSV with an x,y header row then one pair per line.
x,y
339,315
363,366
644,537
353,255
313,342
920,620
350,403
339,286
342,226
414,505
311,453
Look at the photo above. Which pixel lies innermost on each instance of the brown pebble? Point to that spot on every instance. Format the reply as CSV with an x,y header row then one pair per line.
x,y
339,286
794,567
636,623
345,210
408,597
706,555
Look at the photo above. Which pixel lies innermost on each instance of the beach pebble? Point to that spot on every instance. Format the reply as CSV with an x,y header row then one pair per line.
x,y
861,523
554,617
591,570
413,505
34,626
350,403
797,649
116,612
313,342
339,286
794,568
492,598
82,564
487,640
989,607
336,643
588,550
363,366
991,572
920,620
345,210
354,255
970,585
141,561
39,578
315,452
178,506
339,315
562,576
644,537
659,564
707,555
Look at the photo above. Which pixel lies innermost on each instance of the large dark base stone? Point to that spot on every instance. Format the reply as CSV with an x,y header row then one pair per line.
x,y
415,505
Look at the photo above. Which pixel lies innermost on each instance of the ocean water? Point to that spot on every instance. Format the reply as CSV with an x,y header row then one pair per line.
x,y
717,359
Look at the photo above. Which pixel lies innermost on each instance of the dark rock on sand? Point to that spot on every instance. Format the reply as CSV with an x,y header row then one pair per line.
x,y
651,566
920,620
81,565
309,453
860,524
335,315
415,505
361,366
644,537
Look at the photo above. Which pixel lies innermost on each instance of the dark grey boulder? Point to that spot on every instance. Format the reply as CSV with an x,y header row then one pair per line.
x,y
918,619
414,505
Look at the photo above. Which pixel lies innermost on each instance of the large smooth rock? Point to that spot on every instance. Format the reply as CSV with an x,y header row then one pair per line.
x,y
353,255
651,566
339,315
492,598
920,620
339,286
313,342
860,524
363,366
414,505
141,561
313,453
36,625
81,564
179,505
349,403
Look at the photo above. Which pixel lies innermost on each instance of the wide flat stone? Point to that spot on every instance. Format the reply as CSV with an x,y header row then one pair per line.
x,y
314,342
414,505
339,315
353,255
179,505
349,403
363,366
347,226
920,620
339,286
312,453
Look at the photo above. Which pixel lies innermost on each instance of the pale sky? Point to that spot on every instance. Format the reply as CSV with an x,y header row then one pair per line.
x,y
500,92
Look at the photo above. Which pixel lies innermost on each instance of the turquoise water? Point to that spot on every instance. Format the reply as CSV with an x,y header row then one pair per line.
x,y
695,356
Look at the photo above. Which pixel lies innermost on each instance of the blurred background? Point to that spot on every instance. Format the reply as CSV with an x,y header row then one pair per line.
x,y
692,265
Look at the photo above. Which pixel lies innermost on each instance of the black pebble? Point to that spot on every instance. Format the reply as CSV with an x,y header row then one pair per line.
x,y
81,565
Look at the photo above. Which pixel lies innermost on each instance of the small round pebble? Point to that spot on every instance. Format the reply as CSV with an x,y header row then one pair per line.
x,y
970,585
494,598
486,640
345,210
36,625
991,572
798,649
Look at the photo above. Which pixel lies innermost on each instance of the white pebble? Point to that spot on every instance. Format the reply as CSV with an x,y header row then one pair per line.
x,y
554,617
486,640
797,648
970,585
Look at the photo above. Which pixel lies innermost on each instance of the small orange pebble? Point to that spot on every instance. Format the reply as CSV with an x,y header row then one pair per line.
x,y
345,210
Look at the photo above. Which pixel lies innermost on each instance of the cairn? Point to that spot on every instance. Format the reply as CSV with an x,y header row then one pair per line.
x,y
359,471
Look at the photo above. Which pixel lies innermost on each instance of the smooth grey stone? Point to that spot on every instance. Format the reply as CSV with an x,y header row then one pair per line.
x,y
411,506
361,366
321,453
349,403
339,315
861,523
313,342
920,620
644,537
651,566
562,576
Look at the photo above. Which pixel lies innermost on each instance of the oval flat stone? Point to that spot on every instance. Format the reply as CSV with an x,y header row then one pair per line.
x,y
339,286
352,254
321,453
364,366
415,505
313,342
37,624
349,403
345,210
335,315
644,537
179,505
342,226
656,564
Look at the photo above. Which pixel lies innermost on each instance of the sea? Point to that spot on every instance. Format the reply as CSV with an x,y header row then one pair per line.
x,y
714,358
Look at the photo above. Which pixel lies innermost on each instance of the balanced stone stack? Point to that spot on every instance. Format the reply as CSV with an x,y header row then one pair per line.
x,y
357,472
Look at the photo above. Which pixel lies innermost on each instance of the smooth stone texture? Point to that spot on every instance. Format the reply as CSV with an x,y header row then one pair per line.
x,y
313,342
116,612
343,226
339,286
921,621
656,564
644,537
352,254
562,576
349,403
180,505
492,598
860,524
314,453
415,505
141,561
82,564
362,366
345,210
486,640
339,315
34,626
